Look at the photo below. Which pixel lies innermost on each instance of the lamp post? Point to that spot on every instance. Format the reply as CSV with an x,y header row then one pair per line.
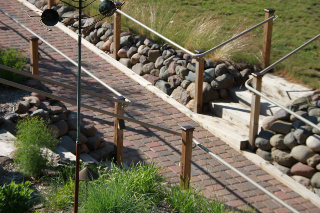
x,y
50,17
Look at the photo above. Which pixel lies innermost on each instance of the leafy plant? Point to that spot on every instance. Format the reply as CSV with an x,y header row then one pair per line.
x,y
12,58
33,136
15,198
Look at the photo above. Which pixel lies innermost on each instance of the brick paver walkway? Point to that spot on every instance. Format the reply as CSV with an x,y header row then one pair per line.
x,y
141,143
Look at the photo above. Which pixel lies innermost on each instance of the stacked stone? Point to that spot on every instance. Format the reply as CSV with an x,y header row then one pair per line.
x,y
291,145
170,70
62,123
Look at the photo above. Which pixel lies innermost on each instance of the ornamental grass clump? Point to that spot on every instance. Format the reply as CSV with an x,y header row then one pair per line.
x,y
32,143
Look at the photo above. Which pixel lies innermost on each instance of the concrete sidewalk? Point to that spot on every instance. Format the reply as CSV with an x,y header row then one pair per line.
x,y
144,144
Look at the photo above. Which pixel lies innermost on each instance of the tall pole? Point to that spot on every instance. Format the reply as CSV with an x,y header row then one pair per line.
x,y
76,187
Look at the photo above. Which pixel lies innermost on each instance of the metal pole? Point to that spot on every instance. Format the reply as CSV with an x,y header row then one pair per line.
x,y
76,187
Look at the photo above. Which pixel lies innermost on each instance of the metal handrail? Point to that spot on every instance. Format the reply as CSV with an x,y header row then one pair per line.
x,y
20,86
61,84
188,51
65,56
274,102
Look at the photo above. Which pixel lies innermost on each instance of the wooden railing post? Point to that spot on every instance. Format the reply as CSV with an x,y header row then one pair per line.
x,y
34,55
255,110
198,96
118,131
266,49
51,3
185,174
116,31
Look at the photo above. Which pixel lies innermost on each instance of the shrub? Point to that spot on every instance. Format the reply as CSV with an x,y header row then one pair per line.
x,y
33,136
15,198
12,58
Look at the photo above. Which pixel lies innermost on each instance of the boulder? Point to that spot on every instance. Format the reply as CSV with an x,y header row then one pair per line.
x,y
314,160
164,87
22,107
72,121
191,67
164,74
126,62
277,142
88,130
302,170
62,127
181,95
313,142
159,62
302,153
283,157
132,50
314,112
143,59
54,110
122,52
151,78
221,69
302,133
209,75
32,100
138,68
281,114
264,154
290,141
73,134
302,180
103,153
209,64
93,142
68,143
106,45
190,105
135,58
153,55
315,180
267,122
174,81
148,67
181,71
191,76
185,84
281,127
224,81
263,140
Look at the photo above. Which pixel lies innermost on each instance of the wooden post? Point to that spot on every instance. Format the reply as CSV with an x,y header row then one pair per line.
x,y
118,132
198,96
266,49
255,111
116,31
51,3
34,55
185,174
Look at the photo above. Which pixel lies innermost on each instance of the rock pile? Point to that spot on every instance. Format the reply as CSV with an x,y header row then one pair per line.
x,y
168,69
62,123
291,145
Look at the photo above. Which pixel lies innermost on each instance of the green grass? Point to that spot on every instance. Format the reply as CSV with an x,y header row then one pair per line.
x,y
203,24
139,188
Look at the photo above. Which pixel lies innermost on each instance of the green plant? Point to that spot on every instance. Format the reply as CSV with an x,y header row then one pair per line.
x,y
187,200
33,137
137,189
12,58
15,198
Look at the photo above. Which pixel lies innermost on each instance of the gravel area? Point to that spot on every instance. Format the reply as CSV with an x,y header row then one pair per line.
x,y
9,97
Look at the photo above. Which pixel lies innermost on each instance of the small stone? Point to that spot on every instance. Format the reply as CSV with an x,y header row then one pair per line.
x,y
190,105
314,160
281,114
126,62
122,53
221,69
290,141
153,55
54,110
315,180
301,113
62,127
180,95
151,78
267,122
88,130
33,100
159,62
174,81
283,157
224,81
313,142
277,142
314,112
264,154
302,133
185,84
283,169
164,87
93,142
138,68
73,134
302,153
263,140
302,180
281,127
132,51
54,130
302,170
